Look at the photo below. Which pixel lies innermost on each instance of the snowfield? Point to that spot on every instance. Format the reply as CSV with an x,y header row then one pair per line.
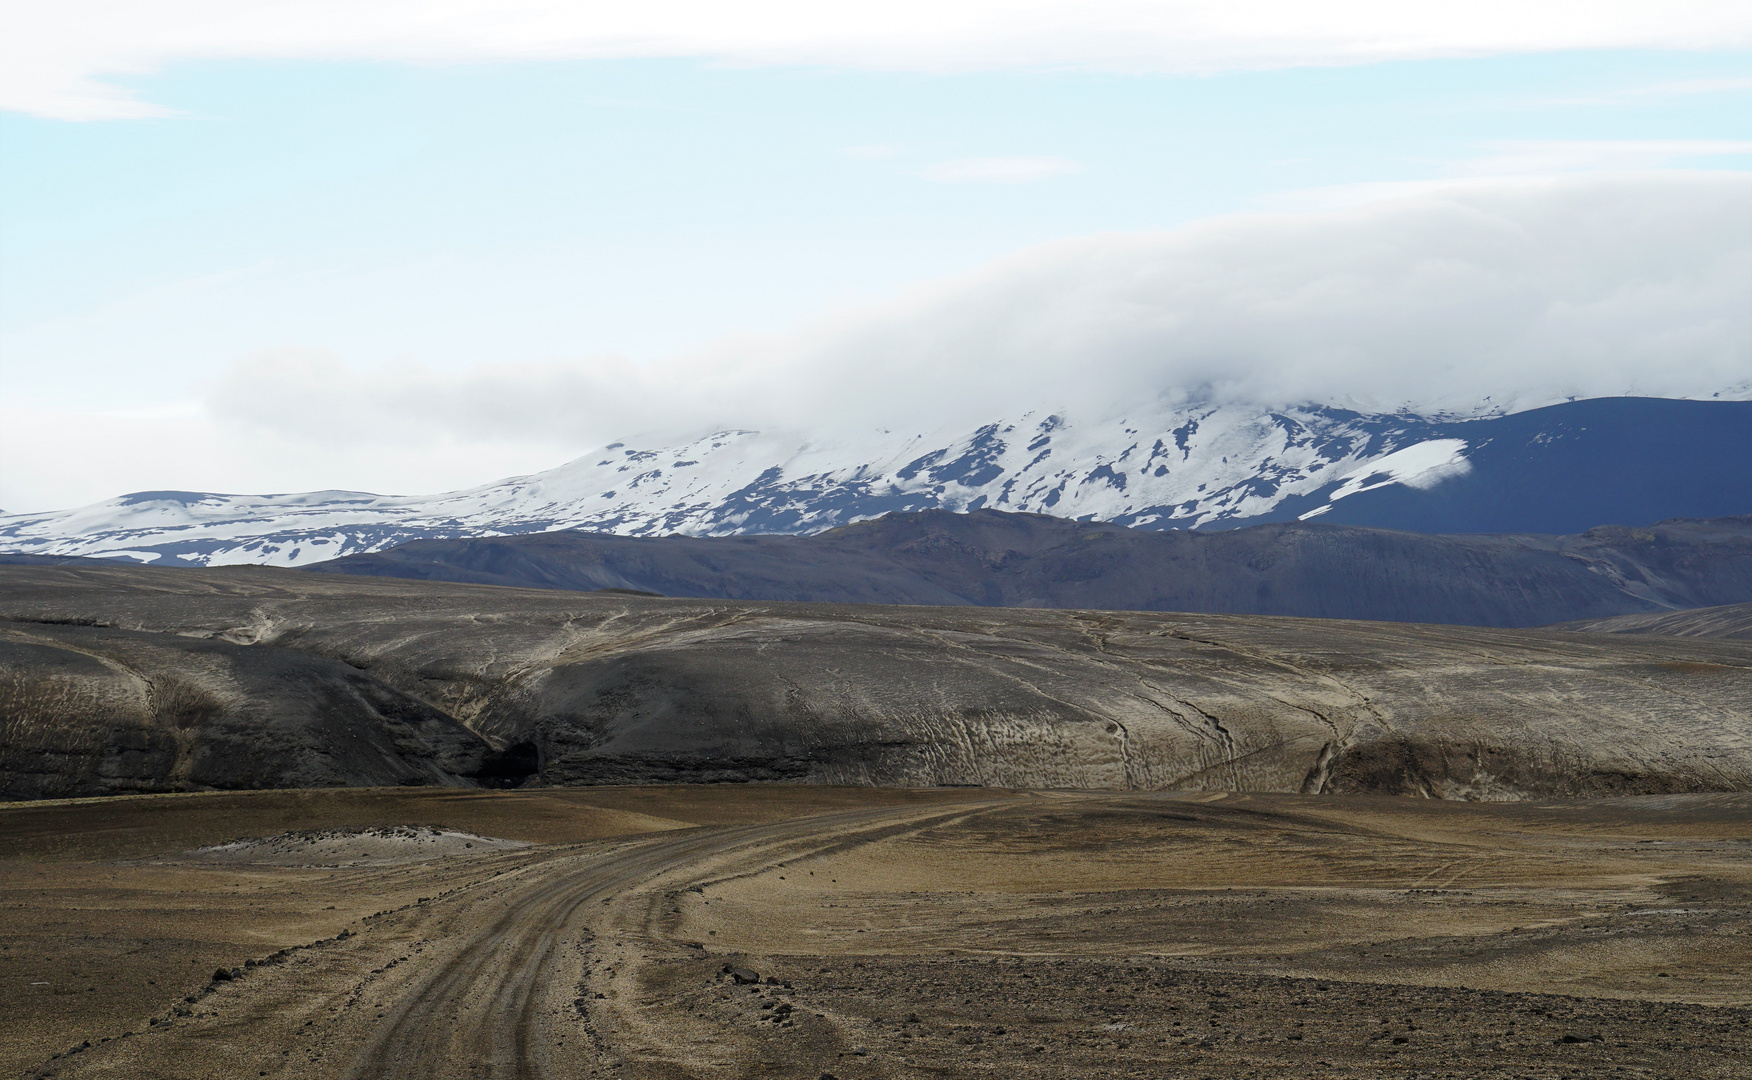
x,y
1184,467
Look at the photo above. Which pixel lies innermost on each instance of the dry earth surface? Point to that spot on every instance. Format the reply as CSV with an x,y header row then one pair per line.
x,y
896,933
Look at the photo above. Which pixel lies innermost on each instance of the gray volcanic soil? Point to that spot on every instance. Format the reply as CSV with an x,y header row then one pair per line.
x,y
994,559
387,681
1727,621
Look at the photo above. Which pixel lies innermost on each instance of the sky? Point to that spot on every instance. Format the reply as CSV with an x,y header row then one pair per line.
x,y
411,247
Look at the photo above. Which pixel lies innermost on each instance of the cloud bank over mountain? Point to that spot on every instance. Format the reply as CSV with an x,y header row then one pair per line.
x,y
58,56
1476,296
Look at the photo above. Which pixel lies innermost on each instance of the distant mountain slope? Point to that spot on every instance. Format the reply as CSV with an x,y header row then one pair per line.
x,y
1030,560
13,559
1620,461
1727,621
1562,469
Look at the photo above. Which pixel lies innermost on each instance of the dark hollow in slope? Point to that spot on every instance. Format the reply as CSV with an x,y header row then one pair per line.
x,y
88,710
996,559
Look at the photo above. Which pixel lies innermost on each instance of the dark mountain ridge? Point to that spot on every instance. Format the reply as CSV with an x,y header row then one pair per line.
x,y
996,559
1563,468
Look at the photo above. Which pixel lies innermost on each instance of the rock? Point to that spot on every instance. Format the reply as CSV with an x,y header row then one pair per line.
x,y
221,975
743,976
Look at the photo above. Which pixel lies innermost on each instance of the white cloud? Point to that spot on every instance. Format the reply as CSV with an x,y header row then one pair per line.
x,y
54,57
54,457
1516,293
998,170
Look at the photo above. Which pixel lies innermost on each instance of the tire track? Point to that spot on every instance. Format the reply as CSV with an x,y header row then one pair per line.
x,y
508,964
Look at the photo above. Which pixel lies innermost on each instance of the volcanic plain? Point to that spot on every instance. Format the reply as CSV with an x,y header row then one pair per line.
x,y
273,823
797,931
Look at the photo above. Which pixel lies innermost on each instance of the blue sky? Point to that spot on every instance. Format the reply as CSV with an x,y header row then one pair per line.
x,y
448,217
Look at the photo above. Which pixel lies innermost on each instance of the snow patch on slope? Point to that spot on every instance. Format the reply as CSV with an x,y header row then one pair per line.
x,y
1421,466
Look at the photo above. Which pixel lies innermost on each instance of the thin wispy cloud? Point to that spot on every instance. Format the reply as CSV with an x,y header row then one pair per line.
x,y
1517,164
1530,157
57,59
998,170
1653,92
1686,87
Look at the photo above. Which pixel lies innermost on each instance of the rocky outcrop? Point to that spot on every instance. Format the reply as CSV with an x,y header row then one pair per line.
x,y
587,689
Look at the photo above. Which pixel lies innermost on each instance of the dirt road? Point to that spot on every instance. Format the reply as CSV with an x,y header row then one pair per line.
x,y
470,984
1021,935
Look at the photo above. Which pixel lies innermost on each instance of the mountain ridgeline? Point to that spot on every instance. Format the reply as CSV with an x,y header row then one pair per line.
x,y
994,559
1560,469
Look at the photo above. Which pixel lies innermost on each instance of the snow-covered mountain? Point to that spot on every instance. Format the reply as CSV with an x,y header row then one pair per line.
x,y
1160,467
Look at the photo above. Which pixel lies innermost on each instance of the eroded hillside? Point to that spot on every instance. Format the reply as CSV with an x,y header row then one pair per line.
x,y
592,688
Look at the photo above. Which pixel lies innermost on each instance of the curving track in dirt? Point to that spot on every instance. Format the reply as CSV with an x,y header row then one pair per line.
x,y
480,1011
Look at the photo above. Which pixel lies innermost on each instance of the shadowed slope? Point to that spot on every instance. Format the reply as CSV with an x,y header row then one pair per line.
x,y
996,559
93,711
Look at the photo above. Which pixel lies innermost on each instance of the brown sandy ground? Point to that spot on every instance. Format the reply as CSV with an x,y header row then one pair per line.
x,y
921,933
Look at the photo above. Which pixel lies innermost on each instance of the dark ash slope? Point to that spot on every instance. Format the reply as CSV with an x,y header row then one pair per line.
x,y
995,559
584,689
88,710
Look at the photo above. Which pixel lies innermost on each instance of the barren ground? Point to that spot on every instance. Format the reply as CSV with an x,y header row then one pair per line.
x,y
913,933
